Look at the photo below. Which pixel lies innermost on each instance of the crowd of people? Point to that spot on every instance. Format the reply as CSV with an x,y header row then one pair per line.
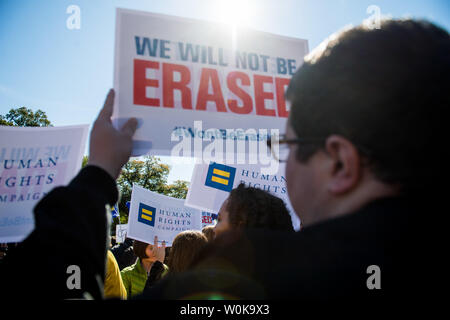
x,y
133,266
365,134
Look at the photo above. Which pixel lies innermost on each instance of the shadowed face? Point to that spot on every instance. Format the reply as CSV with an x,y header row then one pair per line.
x,y
304,182
223,221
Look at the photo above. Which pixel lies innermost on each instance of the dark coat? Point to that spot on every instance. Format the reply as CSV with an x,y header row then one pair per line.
x,y
70,229
328,260
124,254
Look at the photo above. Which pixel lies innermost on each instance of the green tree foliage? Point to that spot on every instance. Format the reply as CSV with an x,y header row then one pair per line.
x,y
177,190
84,161
150,173
24,117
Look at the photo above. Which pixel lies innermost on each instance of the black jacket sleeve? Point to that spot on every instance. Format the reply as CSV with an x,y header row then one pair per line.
x,y
70,230
155,275
124,254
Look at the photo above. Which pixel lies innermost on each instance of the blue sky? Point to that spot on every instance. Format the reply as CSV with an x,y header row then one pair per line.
x,y
67,73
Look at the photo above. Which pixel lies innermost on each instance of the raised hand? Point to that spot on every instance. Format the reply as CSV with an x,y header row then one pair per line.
x,y
159,252
110,148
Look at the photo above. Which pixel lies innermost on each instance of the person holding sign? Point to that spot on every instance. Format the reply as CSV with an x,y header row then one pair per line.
x,y
76,215
366,149
186,248
150,261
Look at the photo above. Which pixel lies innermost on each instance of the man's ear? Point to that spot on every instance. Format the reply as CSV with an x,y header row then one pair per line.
x,y
345,171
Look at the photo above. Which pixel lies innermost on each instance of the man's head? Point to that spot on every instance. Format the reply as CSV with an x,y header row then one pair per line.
x,y
375,100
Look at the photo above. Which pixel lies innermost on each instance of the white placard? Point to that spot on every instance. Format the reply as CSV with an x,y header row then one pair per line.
x,y
34,160
121,232
153,214
170,72
208,219
211,185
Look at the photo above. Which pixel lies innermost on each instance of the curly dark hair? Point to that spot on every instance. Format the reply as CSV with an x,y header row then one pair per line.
x,y
251,207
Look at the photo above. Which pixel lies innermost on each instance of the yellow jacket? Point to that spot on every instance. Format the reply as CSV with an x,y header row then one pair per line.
x,y
114,287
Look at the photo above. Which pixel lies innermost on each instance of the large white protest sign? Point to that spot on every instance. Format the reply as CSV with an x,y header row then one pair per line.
x,y
211,185
185,79
32,162
153,214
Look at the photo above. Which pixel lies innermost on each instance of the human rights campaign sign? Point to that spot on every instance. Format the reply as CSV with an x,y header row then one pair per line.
x,y
33,161
146,214
220,177
211,185
152,214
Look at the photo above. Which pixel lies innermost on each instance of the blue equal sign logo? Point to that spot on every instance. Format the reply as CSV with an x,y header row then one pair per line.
x,y
220,177
146,214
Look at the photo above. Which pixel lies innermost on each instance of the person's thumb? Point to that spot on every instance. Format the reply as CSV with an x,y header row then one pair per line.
x,y
129,127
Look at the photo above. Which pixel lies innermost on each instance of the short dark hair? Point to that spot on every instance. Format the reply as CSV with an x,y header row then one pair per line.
x,y
250,207
139,248
385,90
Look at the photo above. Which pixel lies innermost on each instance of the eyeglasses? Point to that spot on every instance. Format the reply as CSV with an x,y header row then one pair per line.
x,y
280,147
